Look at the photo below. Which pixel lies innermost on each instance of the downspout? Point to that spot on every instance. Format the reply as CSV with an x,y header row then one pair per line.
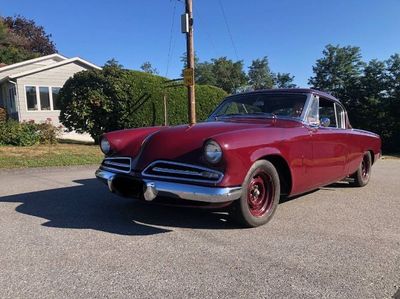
x,y
16,98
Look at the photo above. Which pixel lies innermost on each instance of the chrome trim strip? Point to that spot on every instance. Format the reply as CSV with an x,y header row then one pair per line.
x,y
175,171
116,164
109,164
220,174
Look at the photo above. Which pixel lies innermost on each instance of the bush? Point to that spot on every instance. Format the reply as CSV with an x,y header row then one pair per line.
x,y
19,134
98,101
48,133
27,133
3,115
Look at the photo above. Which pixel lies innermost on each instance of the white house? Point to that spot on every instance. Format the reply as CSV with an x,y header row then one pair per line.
x,y
29,89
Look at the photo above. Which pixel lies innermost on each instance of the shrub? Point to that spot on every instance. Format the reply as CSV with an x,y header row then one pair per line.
x,y
98,101
48,133
19,134
3,115
27,133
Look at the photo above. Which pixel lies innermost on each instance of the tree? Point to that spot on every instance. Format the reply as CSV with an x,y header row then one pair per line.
x,y
22,39
284,80
338,69
37,40
99,101
393,93
220,72
370,91
113,63
229,75
148,68
260,75
12,54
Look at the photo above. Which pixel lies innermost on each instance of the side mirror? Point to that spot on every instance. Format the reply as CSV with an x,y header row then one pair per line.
x,y
325,122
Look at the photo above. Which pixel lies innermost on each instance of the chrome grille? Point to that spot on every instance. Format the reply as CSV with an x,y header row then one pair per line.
x,y
182,171
117,164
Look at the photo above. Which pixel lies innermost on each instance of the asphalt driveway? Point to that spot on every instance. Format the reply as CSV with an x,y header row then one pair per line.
x,y
62,234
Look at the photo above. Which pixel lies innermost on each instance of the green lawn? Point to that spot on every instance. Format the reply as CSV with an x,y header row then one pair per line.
x,y
49,155
62,154
391,156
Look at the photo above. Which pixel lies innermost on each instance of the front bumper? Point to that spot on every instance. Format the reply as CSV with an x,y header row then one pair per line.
x,y
154,188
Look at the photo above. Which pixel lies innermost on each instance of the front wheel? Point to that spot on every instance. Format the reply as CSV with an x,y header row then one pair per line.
x,y
260,197
363,173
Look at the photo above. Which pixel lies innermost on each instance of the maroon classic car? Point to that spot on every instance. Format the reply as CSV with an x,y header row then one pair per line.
x,y
254,148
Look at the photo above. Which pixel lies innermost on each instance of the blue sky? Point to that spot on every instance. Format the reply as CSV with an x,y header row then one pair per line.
x,y
291,33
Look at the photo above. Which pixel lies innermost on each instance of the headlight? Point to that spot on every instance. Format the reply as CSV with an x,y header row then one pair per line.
x,y
105,146
212,152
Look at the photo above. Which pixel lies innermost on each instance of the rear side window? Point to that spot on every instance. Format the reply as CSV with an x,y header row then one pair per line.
x,y
332,111
327,110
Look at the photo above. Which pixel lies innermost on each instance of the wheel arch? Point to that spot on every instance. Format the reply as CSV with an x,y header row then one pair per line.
x,y
372,156
285,175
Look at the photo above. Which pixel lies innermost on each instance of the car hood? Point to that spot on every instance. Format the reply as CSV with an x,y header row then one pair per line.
x,y
185,143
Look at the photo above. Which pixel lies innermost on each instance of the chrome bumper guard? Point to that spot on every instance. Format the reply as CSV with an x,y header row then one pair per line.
x,y
154,188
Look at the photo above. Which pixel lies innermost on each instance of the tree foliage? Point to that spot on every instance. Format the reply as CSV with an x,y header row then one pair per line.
x,y
231,77
22,39
370,91
98,101
284,80
260,75
148,68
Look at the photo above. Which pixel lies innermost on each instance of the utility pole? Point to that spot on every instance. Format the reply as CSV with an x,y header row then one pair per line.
x,y
187,27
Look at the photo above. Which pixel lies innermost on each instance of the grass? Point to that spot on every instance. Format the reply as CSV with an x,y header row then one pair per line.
x,y
391,156
49,155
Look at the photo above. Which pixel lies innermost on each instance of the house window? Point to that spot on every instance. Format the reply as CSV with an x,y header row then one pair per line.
x,y
44,98
55,91
11,96
31,98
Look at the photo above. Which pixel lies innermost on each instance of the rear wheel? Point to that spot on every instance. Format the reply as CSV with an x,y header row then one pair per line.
x,y
260,198
363,173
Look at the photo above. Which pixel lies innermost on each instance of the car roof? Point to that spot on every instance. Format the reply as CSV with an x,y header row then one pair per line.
x,y
294,90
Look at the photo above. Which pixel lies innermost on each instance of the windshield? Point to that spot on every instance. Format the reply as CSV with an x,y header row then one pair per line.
x,y
261,105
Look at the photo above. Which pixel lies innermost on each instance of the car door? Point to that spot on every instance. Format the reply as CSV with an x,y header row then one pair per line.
x,y
329,142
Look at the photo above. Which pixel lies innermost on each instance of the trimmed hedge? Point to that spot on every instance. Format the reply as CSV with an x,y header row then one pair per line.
x,y
98,101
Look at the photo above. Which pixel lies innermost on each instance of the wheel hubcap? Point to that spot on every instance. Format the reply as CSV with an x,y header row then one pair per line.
x,y
260,194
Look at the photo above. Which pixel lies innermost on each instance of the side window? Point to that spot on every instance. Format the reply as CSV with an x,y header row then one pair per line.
x,y
327,114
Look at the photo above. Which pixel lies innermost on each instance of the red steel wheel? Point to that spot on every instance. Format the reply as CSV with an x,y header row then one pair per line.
x,y
260,195
363,173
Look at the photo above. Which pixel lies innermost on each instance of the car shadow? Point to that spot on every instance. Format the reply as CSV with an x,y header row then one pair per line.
x,y
340,184
90,206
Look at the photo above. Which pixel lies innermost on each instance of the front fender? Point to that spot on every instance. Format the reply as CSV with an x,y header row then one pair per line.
x,y
128,142
242,148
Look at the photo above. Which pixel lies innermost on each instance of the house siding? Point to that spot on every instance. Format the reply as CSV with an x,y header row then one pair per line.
x,y
54,77
28,67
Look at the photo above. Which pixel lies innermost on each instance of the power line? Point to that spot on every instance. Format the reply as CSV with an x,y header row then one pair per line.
x,y
228,29
204,29
171,44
